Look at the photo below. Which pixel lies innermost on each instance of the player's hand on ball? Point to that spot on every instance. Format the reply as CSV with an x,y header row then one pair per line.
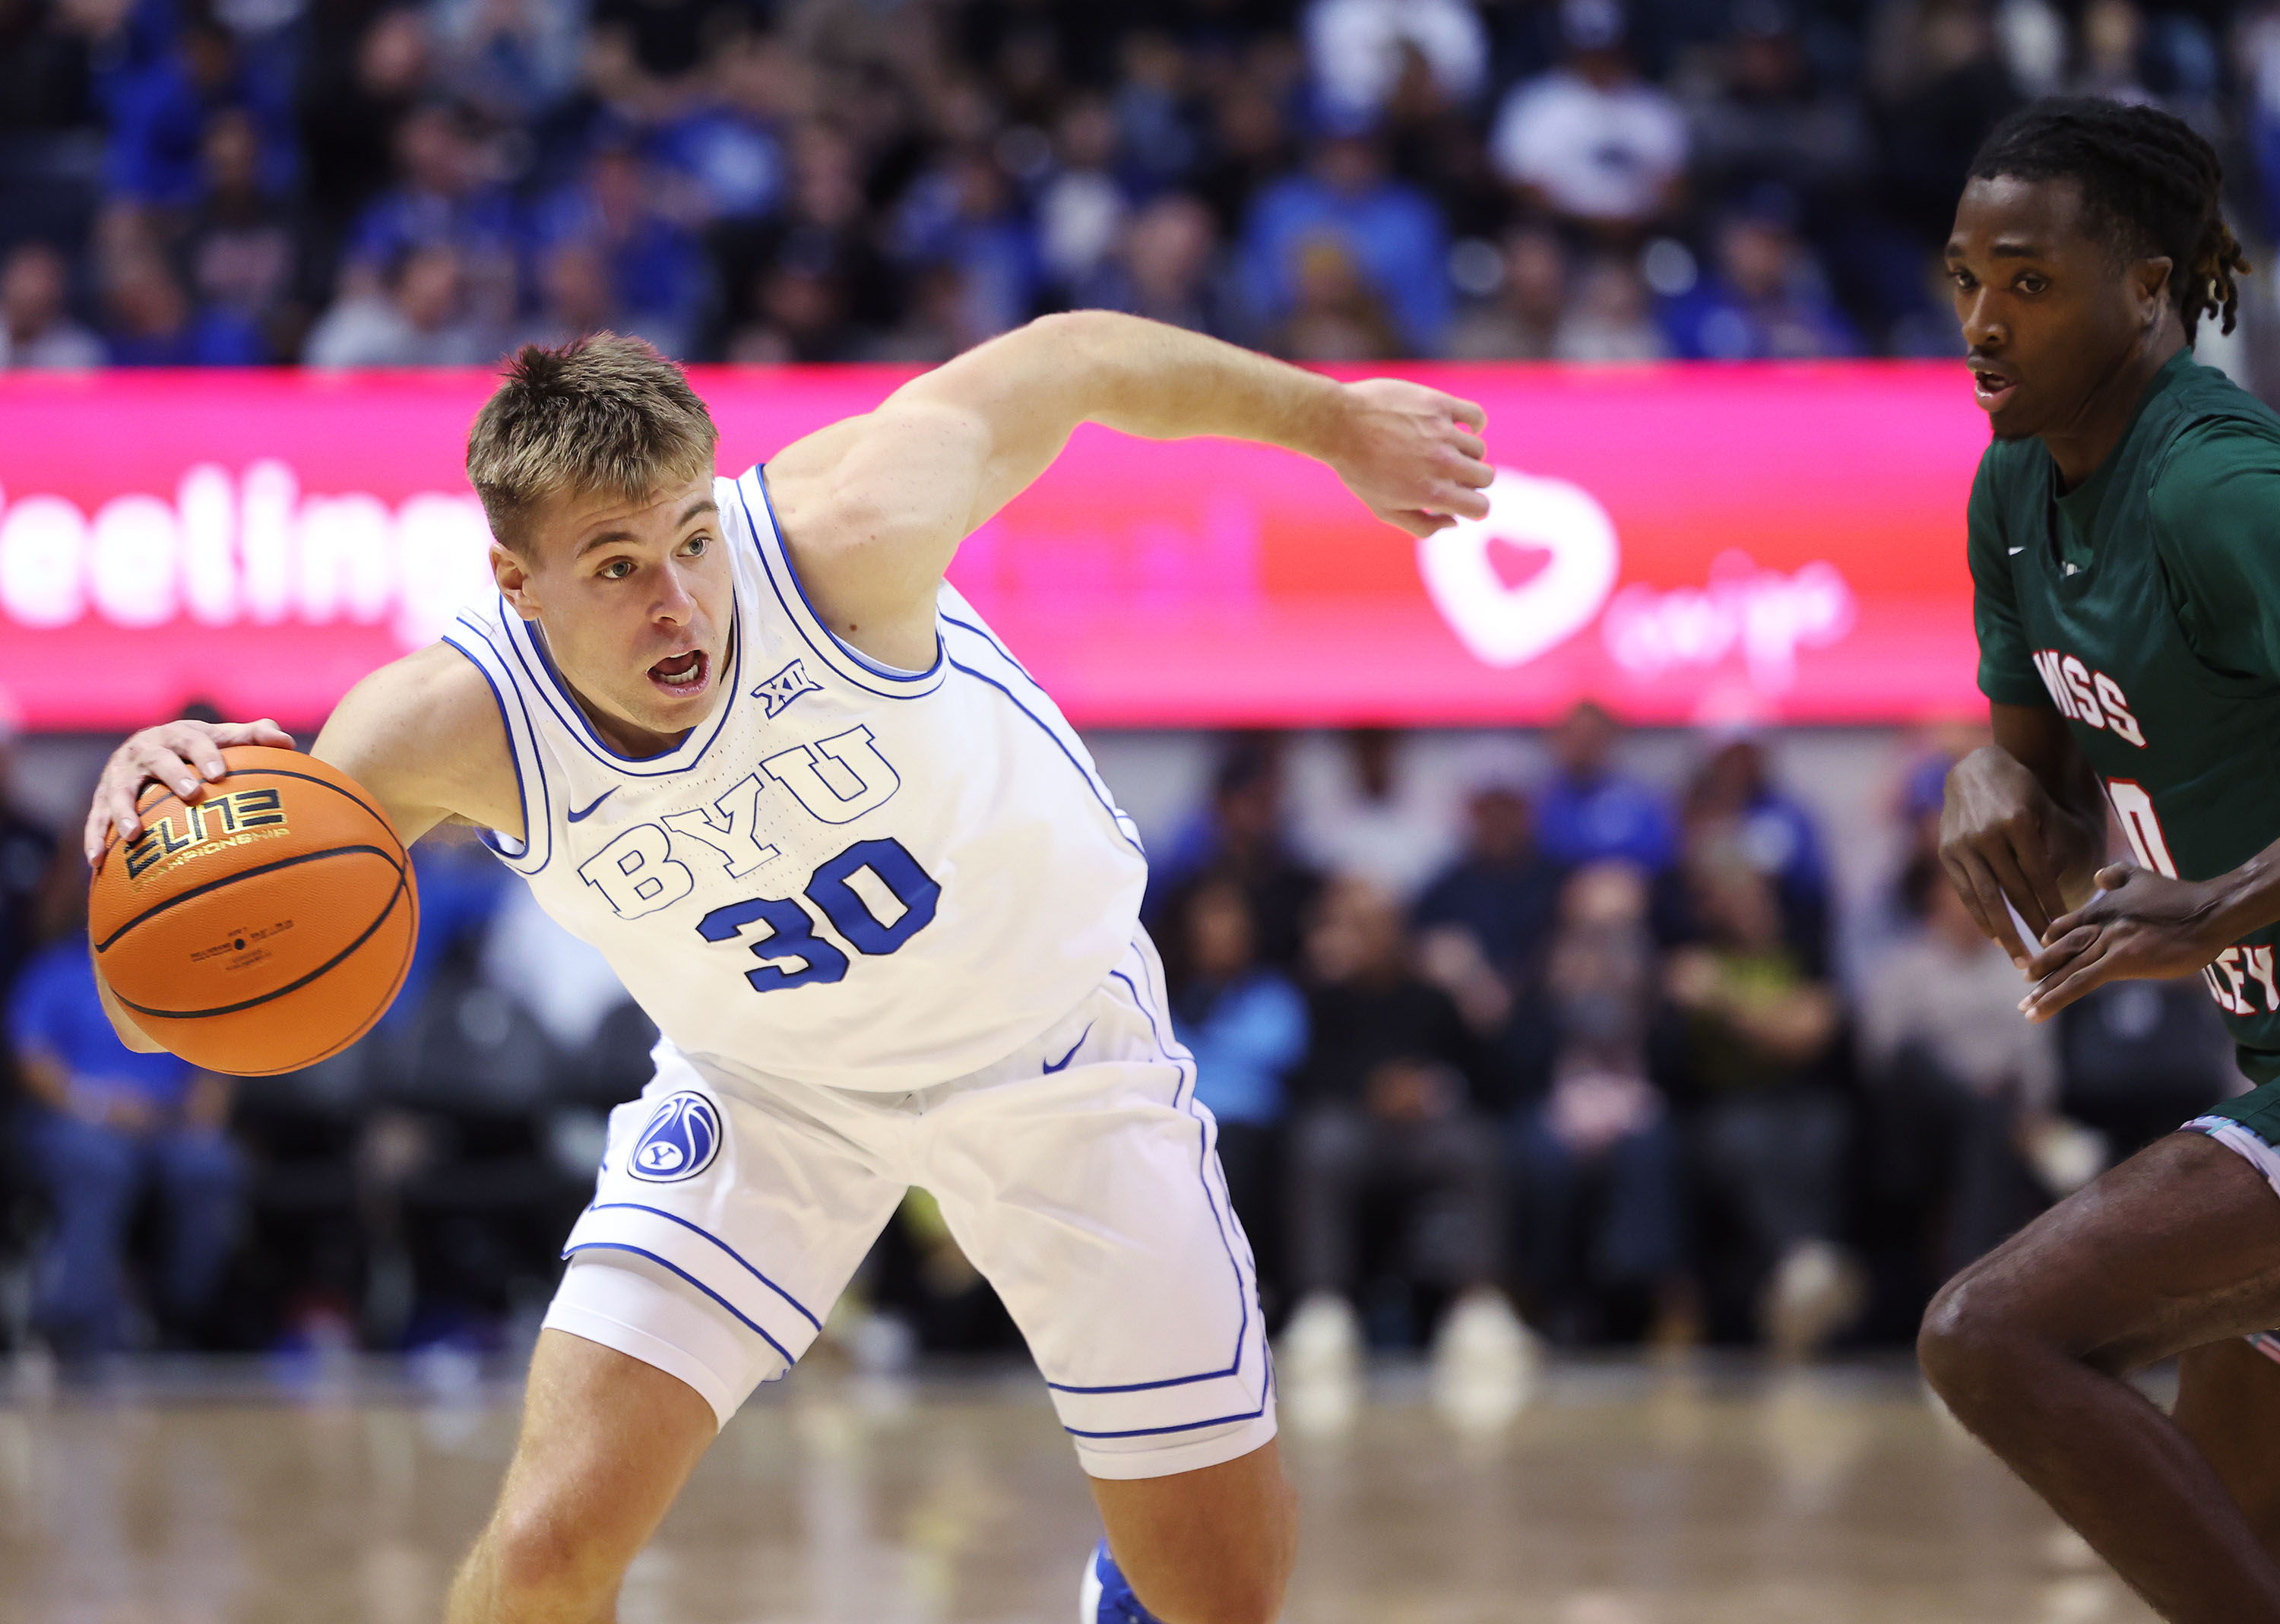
x,y
183,756
1414,455
2141,925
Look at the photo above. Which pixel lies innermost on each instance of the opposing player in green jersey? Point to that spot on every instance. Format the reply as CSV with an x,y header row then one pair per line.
x,y
2125,552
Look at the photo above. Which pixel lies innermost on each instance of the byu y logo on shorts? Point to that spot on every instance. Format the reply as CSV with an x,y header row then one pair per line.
x,y
680,1141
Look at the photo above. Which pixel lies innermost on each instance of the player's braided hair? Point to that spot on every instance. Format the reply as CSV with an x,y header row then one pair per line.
x,y
2146,177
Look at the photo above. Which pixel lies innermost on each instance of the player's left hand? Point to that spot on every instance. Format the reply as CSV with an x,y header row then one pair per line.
x,y
1414,455
2140,926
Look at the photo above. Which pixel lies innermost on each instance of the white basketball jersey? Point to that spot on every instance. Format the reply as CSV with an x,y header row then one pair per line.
x,y
848,875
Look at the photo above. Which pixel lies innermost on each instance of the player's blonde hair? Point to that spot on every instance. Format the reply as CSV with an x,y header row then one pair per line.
x,y
602,414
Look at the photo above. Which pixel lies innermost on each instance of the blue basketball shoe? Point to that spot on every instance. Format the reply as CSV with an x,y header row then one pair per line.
x,y
1104,1597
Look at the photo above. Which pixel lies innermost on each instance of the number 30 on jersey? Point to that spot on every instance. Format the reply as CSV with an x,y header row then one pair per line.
x,y
791,929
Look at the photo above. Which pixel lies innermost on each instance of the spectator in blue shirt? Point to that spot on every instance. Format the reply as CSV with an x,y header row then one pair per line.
x,y
1485,924
104,1125
461,886
1736,811
153,323
964,215
513,61
656,269
442,199
1503,891
1240,833
159,114
1247,1026
241,247
1389,229
730,147
1590,812
1766,301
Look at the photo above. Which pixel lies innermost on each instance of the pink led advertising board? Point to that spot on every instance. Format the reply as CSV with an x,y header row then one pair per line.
x,y
1780,543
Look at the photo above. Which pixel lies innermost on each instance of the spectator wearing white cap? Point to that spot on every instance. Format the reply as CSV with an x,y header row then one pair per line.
x,y
1392,238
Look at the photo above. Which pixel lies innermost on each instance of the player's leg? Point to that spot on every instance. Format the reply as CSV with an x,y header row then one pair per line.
x,y
2177,1248
1092,1199
724,1225
1205,1546
606,1442
2228,1404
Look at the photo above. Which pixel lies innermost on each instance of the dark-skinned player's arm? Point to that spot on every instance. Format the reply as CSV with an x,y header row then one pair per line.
x,y
2023,818
2142,925
422,734
873,508
2209,510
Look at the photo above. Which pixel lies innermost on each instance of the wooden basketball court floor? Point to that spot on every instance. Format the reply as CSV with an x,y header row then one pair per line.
x,y
1628,1493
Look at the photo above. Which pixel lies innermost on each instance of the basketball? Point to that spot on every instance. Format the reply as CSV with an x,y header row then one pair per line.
x,y
262,926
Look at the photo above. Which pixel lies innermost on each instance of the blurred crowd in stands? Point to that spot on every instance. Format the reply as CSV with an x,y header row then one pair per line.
x,y
392,182
1592,1046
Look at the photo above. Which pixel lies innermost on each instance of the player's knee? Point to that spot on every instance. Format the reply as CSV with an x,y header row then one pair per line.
x,y
1970,1342
543,1565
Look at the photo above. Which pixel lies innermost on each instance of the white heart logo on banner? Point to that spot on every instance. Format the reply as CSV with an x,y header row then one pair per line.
x,y
1510,623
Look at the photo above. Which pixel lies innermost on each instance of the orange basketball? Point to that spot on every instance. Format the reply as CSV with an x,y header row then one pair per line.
x,y
262,926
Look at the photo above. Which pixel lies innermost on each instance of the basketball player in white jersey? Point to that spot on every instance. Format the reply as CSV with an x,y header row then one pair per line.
x,y
741,737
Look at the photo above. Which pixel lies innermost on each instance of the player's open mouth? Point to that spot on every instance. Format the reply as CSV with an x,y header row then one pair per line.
x,y
681,676
1990,387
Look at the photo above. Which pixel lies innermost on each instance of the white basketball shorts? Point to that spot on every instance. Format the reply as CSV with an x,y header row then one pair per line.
x,y
1080,1176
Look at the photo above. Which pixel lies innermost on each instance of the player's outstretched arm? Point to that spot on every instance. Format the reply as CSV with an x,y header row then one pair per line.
x,y
873,508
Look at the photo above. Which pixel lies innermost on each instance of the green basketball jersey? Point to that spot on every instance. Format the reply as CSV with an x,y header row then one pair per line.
x,y
2145,605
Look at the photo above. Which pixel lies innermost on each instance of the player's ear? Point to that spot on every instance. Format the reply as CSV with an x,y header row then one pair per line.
x,y
2149,280
513,578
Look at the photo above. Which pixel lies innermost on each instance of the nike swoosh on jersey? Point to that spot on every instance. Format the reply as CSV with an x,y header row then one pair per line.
x,y
579,815
1061,1064
2015,552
